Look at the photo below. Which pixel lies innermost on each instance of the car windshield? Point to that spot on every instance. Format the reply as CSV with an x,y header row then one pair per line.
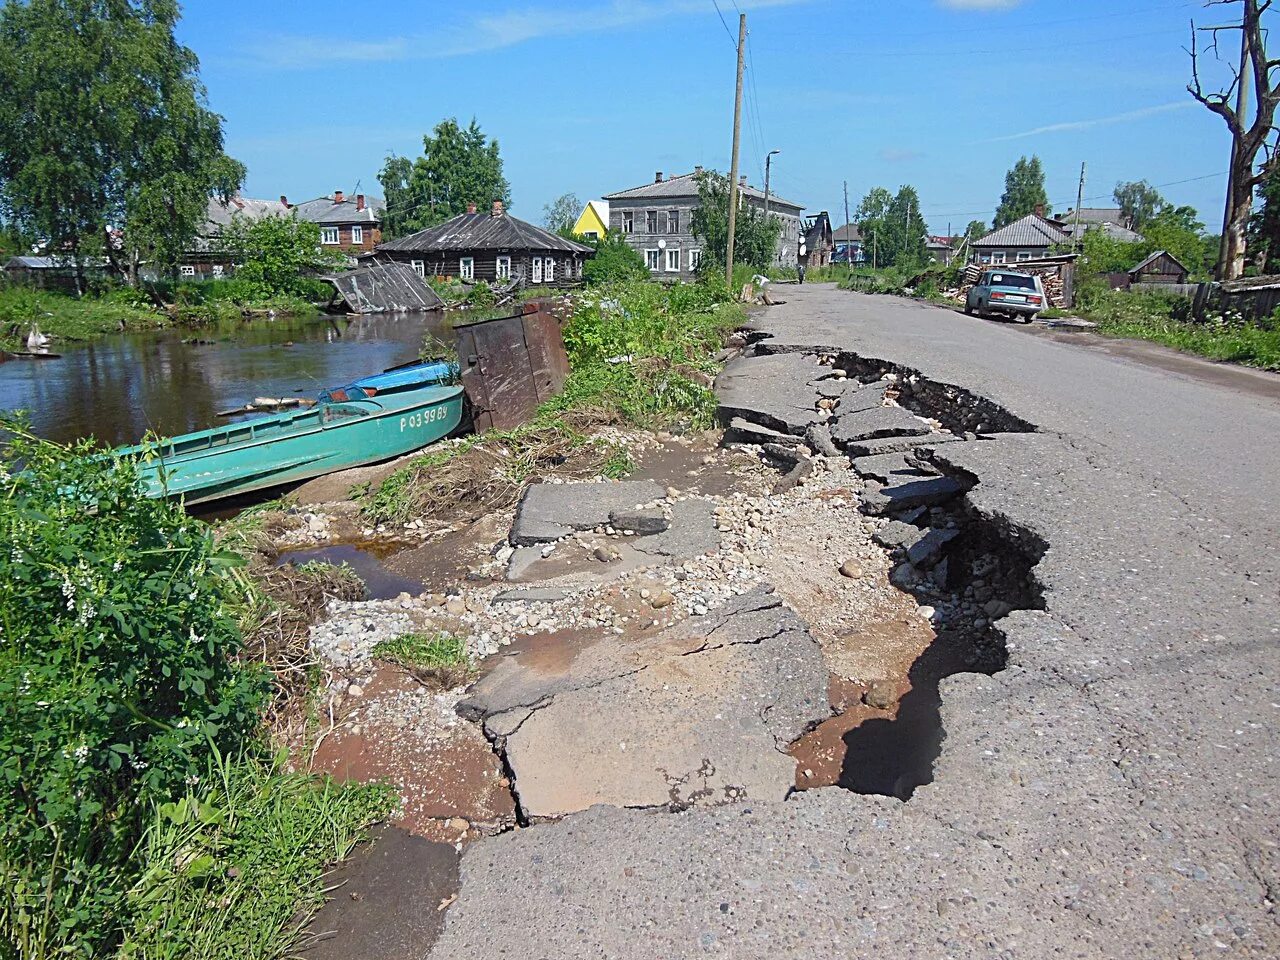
x,y
1013,280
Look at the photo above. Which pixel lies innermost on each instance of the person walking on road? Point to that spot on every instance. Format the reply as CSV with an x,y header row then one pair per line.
x,y
800,262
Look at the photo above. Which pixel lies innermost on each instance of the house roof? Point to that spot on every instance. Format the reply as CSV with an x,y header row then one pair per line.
x,y
601,207
1096,215
1156,256
28,262
686,185
326,210
1113,230
1030,231
483,231
848,234
219,213
939,243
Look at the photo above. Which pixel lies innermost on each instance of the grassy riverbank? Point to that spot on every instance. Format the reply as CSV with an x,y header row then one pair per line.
x,y
1152,316
145,813
641,353
64,318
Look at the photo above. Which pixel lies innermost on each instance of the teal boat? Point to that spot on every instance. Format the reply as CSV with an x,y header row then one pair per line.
x,y
296,445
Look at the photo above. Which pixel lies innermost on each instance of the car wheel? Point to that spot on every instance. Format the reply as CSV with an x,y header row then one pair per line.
x,y
968,306
1028,317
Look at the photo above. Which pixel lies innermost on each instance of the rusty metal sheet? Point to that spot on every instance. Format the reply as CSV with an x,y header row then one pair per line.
x,y
510,365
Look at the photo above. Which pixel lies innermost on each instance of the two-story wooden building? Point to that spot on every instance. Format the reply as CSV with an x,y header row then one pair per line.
x,y
656,220
492,246
350,224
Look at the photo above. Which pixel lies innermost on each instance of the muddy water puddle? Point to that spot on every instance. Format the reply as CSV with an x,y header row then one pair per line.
x,y
699,466
367,559
387,901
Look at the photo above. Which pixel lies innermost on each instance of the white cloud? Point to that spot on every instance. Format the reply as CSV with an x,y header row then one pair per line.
x,y
494,31
980,4
1073,125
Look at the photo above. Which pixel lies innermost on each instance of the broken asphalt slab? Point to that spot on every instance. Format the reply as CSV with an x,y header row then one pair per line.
x,y
907,492
773,391
697,715
875,423
551,511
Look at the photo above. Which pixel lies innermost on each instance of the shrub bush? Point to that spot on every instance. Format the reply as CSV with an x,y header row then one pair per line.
x,y
116,675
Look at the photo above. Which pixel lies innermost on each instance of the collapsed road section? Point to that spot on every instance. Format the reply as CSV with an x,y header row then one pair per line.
x,y
1105,784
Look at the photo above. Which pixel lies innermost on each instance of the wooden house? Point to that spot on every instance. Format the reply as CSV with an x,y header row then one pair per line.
x,y
494,247
819,242
1031,238
350,224
1160,267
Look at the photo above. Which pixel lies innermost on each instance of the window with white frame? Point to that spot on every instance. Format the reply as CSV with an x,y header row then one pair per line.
x,y
549,269
217,269
592,235
466,268
651,221
673,221
419,268
997,256
628,222
1024,254
186,270
329,235
502,268
536,267
357,234
695,260
651,258
673,260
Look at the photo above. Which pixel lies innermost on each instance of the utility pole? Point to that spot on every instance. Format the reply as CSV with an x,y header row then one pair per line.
x,y
848,240
733,163
1075,234
1242,104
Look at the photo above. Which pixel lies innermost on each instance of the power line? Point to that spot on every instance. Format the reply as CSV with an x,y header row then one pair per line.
x,y
1101,196
727,32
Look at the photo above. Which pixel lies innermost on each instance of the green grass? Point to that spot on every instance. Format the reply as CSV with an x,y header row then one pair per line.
x,y
618,464
236,868
428,651
65,318
1155,317
437,659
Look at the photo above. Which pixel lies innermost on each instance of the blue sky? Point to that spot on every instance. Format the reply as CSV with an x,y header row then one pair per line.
x,y
594,96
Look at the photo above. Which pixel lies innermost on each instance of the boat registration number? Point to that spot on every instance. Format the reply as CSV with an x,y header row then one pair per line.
x,y
422,418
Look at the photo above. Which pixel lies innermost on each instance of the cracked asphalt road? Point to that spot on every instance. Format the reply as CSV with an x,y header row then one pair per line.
x,y
1112,793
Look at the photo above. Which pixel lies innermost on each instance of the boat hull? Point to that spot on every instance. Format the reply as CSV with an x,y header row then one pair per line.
x,y
298,445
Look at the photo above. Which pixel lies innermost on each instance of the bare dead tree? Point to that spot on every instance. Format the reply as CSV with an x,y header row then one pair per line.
x,y
1251,129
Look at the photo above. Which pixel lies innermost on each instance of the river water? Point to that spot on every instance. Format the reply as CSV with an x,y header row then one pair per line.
x,y
118,388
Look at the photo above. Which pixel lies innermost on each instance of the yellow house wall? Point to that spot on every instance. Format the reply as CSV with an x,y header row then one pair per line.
x,y
588,221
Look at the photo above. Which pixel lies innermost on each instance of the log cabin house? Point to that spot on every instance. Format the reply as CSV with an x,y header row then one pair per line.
x,y
494,247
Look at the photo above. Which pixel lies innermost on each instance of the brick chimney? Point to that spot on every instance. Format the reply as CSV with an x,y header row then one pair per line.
x,y
657,177
1039,209
284,201
359,202
497,208
338,196
471,208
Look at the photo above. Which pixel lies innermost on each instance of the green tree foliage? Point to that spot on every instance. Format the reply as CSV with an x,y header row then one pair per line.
x,y
755,240
614,261
561,214
893,231
975,229
1139,202
1264,227
1023,192
276,254
458,166
103,122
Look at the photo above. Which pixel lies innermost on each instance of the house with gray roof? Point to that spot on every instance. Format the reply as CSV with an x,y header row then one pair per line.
x,y
1030,238
350,224
206,258
1110,220
656,220
492,246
